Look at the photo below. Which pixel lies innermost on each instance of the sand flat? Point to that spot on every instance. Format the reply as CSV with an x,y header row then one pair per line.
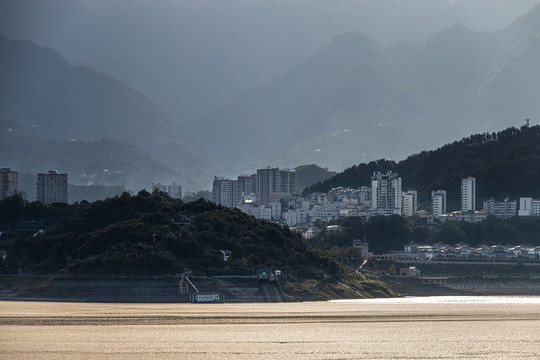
x,y
416,328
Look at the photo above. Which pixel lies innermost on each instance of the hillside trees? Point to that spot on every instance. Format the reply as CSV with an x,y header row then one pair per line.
x,y
504,164
138,233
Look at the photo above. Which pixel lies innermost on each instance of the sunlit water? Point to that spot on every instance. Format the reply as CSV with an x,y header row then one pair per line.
x,y
409,328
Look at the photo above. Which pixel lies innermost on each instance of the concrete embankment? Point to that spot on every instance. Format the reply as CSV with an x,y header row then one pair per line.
x,y
120,288
497,285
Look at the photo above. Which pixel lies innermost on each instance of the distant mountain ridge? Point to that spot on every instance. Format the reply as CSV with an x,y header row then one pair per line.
x,y
43,97
193,56
355,100
358,100
504,165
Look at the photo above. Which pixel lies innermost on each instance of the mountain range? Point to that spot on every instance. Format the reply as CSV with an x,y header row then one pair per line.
x,y
54,115
185,87
357,99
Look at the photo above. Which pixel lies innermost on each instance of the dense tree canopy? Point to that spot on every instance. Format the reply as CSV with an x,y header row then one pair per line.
x,y
145,232
504,164
387,233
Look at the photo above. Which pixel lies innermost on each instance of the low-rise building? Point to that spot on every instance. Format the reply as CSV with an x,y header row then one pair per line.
x,y
502,209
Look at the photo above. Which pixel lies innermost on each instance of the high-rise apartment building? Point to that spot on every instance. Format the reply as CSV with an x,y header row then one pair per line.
x,y
409,203
468,194
173,190
52,187
438,202
386,193
272,180
8,183
225,191
247,185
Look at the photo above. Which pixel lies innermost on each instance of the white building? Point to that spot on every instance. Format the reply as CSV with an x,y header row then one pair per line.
x,y
438,203
468,194
319,198
525,206
535,207
250,209
502,209
323,213
276,209
386,192
529,206
469,216
265,212
363,195
409,203
289,217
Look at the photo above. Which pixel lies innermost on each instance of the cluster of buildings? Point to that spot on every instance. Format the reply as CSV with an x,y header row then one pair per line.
x,y
440,251
51,187
270,194
261,188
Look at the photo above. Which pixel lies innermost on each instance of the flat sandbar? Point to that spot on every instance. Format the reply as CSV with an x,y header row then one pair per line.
x,y
413,328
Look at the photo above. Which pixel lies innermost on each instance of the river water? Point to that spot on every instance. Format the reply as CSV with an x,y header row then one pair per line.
x,y
406,328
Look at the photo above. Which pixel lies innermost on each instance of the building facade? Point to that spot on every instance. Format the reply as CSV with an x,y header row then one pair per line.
x,y
409,203
529,206
52,187
502,209
274,180
9,183
225,191
468,194
386,193
438,202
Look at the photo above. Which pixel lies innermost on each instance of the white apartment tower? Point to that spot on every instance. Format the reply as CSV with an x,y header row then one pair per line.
x,y
409,203
386,192
468,194
438,202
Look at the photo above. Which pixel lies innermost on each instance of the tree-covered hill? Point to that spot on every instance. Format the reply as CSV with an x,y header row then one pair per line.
x,y
153,234
146,232
309,174
504,164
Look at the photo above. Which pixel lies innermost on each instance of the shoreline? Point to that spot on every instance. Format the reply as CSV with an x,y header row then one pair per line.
x,y
163,289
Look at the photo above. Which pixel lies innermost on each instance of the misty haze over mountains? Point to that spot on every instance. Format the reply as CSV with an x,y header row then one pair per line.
x,y
220,87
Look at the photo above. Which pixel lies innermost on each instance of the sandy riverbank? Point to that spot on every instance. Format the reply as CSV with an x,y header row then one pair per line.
x,y
412,328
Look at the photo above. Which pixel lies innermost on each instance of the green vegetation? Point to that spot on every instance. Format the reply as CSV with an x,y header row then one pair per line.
x,y
153,233
503,163
310,174
387,233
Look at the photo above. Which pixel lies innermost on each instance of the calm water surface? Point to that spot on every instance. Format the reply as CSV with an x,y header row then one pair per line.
x,y
407,328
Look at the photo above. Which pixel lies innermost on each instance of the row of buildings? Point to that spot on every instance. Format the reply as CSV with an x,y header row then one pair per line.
x,y
269,194
440,251
261,187
51,187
